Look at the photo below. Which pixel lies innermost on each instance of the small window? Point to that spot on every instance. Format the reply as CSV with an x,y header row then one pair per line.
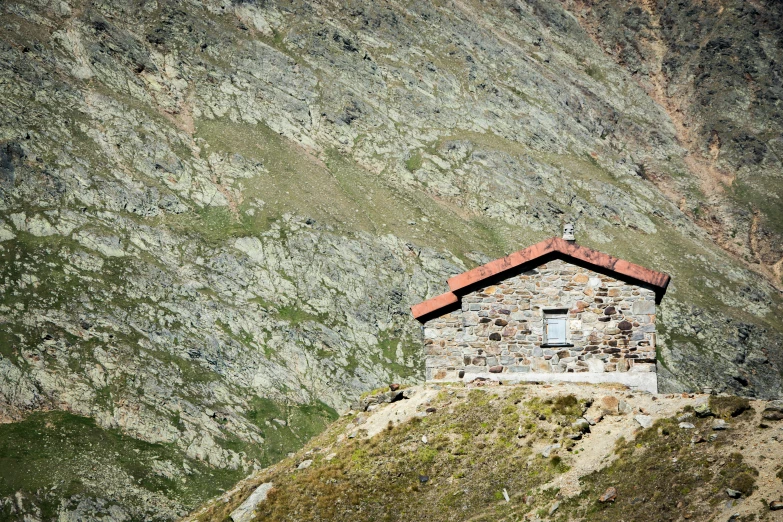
x,y
555,322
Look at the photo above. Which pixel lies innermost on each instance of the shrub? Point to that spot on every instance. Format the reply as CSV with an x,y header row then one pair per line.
x,y
743,482
728,406
413,163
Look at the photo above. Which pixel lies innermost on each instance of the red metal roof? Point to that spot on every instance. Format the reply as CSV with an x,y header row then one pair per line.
x,y
556,247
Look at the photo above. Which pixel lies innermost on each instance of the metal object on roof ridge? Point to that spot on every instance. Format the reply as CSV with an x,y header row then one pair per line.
x,y
568,232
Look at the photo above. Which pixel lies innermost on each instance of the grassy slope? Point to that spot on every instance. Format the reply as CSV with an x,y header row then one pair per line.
x,y
51,455
54,454
343,194
480,443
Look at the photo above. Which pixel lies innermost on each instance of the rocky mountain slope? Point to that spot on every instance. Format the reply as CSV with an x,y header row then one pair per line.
x,y
557,453
716,70
214,215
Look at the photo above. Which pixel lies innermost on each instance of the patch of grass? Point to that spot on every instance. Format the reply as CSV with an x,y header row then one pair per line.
x,y
191,371
558,465
413,163
567,405
562,409
427,454
728,406
28,255
761,194
296,316
595,73
301,423
388,342
50,455
10,340
744,482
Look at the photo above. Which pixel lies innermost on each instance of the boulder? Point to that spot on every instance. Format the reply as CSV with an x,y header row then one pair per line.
x,y
582,425
720,424
773,411
702,410
645,421
244,513
610,495
772,415
733,493
609,405
549,449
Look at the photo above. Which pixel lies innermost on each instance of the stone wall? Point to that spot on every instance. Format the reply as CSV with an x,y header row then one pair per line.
x,y
500,329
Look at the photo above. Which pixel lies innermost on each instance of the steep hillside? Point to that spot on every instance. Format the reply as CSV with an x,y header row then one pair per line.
x,y
214,216
717,69
527,453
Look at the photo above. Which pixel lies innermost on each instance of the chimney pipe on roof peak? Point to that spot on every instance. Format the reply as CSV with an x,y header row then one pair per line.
x,y
568,232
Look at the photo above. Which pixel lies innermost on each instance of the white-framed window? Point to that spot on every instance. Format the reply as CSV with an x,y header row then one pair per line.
x,y
556,327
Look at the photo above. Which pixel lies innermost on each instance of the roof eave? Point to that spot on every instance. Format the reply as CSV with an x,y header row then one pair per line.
x,y
426,308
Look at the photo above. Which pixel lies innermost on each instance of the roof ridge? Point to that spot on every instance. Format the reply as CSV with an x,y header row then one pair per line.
x,y
460,283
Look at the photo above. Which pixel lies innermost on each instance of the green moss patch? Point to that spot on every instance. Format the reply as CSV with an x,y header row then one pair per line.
x,y
414,162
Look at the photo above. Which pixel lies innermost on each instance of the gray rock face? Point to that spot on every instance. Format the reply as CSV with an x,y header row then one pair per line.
x,y
244,513
214,217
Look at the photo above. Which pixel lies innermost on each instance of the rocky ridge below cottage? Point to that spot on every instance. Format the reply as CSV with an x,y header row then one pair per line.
x,y
488,451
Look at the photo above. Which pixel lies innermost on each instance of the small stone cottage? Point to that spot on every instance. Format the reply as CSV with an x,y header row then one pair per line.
x,y
555,311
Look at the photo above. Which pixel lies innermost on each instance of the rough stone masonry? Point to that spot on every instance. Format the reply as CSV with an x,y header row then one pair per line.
x,y
498,330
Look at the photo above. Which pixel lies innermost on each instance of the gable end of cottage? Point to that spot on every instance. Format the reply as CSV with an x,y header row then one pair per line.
x,y
558,321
